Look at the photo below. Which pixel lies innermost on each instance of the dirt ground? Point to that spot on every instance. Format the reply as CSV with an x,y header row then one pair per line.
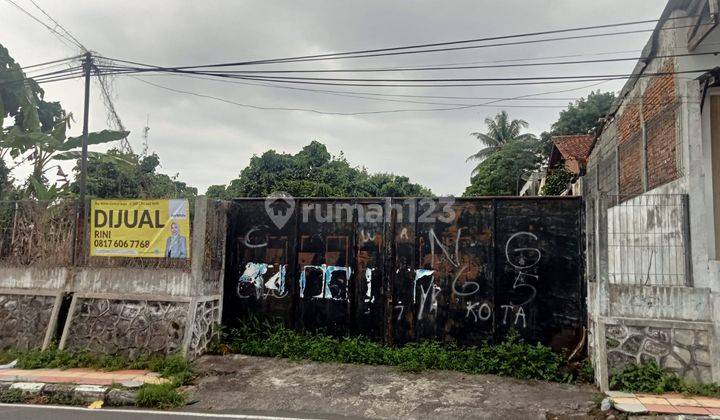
x,y
328,390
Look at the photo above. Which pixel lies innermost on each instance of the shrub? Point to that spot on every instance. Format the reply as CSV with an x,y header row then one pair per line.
x,y
646,377
650,377
161,396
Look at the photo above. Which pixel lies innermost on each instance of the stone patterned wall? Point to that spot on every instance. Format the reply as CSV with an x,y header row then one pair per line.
x,y
207,316
24,320
127,327
683,351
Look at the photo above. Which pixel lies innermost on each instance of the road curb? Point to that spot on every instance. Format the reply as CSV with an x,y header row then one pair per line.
x,y
75,393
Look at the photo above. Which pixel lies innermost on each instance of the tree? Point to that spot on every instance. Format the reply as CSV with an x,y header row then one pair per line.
x,y
313,172
582,117
127,175
500,131
18,98
498,174
39,128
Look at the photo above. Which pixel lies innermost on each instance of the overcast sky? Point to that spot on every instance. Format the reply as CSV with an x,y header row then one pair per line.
x,y
209,142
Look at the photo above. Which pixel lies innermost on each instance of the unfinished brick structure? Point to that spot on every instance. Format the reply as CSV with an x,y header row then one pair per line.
x,y
652,255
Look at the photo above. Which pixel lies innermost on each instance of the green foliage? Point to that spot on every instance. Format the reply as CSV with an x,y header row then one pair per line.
x,y
175,367
11,396
162,396
647,377
650,377
15,396
512,357
126,175
313,172
38,134
498,174
17,100
582,116
557,181
586,373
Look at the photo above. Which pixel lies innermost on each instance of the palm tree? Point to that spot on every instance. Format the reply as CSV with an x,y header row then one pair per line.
x,y
500,132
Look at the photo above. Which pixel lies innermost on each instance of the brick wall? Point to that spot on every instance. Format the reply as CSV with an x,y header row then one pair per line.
x,y
655,109
661,150
660,92
628,122
630,167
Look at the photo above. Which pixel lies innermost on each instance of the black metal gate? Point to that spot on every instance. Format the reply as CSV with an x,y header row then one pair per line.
x,y
400,270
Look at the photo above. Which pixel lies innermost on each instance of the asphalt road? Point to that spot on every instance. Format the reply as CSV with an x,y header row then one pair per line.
x,y
39,412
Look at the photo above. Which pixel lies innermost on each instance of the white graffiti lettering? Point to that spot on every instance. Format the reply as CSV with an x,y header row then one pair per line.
x,y
253,277
518,311
482,312
399,317
248,238
326,291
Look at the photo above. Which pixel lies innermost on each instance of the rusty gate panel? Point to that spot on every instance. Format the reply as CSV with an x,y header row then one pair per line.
x,y
368,308
539,270
260,256
325,266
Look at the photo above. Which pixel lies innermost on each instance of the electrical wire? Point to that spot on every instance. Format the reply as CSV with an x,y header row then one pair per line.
x,y
60,60
397,50
244,105
315,111
404,69
63,38
57,24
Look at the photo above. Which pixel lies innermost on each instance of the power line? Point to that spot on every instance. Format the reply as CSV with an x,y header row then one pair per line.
x,y
365,95
474,79
57,24
251,74
436,44
60,60
105,90
63,38
44,76
426,68
315,111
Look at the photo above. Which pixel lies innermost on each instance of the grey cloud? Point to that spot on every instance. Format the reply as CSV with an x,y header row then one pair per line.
x,y
209,142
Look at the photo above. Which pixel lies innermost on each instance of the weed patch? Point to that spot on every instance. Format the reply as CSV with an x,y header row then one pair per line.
x,y
11,396
513,357
176,368
650,377
161,396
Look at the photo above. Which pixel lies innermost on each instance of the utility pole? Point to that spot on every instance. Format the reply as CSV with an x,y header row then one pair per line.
x,y
80,217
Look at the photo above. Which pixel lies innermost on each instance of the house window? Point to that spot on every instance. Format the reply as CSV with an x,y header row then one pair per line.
x,y
715,163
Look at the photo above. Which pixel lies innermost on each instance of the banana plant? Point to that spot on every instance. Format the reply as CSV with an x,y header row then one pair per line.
x,y
48,148
19,97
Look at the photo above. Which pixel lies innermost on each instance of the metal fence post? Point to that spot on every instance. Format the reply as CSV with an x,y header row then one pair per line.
x,y
687,248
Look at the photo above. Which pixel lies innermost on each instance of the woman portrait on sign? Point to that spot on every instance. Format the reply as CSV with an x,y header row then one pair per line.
x,y
176,245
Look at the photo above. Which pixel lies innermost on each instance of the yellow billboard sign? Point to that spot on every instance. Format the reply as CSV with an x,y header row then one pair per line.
x,y
140,228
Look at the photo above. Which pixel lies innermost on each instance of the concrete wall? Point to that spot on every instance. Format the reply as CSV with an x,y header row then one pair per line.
x,y
121,310
497,264
652,152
